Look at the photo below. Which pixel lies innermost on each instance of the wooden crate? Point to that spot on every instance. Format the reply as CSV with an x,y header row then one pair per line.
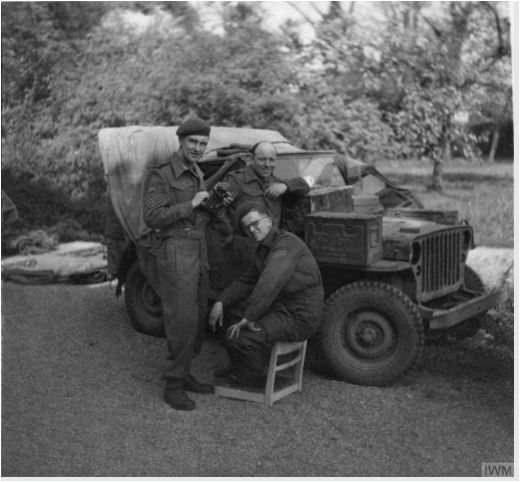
x,y
345,238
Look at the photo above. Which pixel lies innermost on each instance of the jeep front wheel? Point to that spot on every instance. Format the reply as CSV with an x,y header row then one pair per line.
x,y
142,303
372,333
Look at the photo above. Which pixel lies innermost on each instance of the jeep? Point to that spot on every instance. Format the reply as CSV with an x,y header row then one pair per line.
x,y
394,272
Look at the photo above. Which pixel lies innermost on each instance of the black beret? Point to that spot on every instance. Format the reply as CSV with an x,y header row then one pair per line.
x,y
193,126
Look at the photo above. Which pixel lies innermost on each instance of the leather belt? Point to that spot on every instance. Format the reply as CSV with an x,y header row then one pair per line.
x,y
189,233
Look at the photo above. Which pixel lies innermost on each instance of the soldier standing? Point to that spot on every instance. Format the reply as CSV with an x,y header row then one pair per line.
x,y
174,193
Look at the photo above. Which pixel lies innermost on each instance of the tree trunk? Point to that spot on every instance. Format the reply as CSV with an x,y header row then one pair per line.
x,y
494,145
438,164
446,150
440,155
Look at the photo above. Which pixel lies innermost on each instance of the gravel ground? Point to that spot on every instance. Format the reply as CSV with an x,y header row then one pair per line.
x,y
81,396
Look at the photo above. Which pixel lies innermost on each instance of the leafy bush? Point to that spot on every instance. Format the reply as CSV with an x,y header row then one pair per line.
x,y
500,324
356,128
42,204
39,204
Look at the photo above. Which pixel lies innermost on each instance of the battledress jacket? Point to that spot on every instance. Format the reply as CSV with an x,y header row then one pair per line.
x,y
169,189
245,186
167,210
284,281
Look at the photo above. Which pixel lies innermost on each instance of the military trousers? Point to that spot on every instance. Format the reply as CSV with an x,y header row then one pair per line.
x,y
181,270
296,320
249,352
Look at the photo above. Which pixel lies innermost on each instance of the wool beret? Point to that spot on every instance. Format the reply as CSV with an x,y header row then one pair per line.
x,y
193,126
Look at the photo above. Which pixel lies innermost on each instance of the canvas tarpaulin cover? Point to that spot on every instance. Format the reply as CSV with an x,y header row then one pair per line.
x,y
128,152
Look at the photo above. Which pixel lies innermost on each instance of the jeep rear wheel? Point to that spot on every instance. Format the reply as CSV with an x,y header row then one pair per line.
x,y
372,333
142,303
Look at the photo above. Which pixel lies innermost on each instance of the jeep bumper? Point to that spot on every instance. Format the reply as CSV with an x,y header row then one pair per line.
x,y
440,318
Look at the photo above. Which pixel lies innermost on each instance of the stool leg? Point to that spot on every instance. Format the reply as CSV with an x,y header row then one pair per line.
x,y
299,366
271,375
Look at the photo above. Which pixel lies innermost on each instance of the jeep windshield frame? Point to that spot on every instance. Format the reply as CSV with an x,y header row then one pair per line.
x,y
319,168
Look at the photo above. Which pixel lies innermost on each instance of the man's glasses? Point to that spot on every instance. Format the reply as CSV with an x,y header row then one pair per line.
x,y
254,224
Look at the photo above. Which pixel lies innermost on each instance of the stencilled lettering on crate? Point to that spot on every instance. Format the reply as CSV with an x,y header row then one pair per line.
x,y
345,238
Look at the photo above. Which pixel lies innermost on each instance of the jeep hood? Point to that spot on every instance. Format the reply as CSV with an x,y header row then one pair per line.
x,y
400,233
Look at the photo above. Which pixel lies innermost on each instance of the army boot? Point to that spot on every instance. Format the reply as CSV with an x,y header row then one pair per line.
x,y
176,397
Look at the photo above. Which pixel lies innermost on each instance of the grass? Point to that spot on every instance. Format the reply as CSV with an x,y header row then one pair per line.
x,y
483,195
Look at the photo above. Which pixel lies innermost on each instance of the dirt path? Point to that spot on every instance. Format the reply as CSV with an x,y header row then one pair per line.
x,y
81,396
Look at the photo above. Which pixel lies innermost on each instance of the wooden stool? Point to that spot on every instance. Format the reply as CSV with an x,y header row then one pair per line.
x,y
272,393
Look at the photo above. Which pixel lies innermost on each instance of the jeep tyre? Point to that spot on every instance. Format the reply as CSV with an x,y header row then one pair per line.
x,y
142,303
372,333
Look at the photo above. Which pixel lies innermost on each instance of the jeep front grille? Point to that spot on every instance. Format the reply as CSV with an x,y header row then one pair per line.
x,y
439,262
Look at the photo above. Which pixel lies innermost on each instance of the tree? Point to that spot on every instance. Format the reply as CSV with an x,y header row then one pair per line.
x,y
447,60
418,67
36,36
338,83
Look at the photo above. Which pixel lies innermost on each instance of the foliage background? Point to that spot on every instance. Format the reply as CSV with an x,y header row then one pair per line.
x,y
389,88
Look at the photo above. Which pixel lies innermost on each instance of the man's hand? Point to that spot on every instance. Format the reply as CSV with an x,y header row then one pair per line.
x,y
216,315
227,199
199,198
276,190
234,330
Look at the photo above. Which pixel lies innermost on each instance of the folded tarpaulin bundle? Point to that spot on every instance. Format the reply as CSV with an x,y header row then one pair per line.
x,y
77,262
